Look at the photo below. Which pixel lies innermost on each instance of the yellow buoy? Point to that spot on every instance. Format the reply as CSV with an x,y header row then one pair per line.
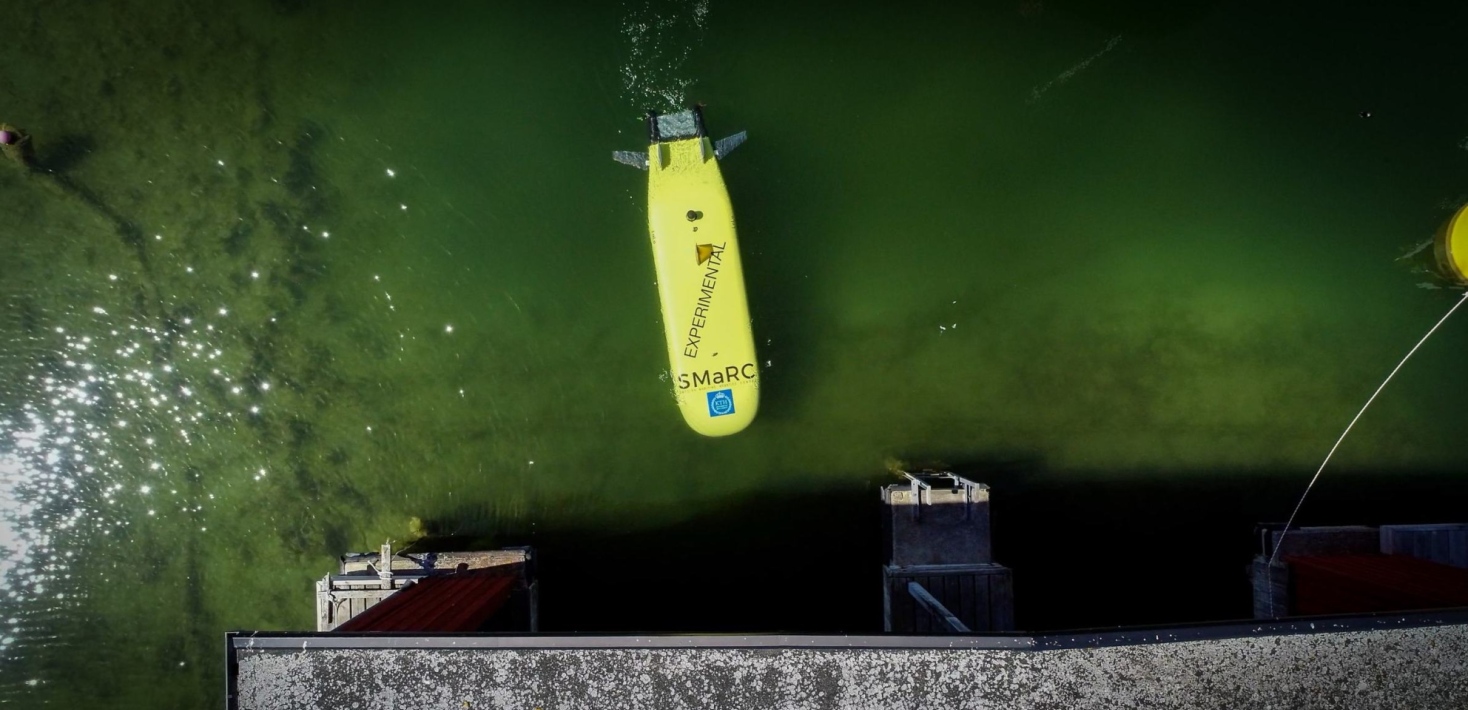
x,y
700,275
1451,247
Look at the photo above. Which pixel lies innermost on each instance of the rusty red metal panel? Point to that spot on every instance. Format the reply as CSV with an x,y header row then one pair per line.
x,y
454,602
1345,584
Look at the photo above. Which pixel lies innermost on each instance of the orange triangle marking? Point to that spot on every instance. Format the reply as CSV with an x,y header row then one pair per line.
x,y
704,252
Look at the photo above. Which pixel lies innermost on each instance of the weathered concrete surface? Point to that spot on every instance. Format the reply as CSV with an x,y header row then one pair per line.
x,y
1414,667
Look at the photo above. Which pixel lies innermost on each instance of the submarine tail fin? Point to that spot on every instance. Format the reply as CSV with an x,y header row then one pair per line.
x,y
637,159
724,146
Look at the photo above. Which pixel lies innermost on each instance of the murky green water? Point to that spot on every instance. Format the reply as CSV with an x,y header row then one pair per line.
x,y
303,271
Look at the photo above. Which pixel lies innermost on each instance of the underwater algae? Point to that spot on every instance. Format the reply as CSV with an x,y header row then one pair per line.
x,y
156,276
316,273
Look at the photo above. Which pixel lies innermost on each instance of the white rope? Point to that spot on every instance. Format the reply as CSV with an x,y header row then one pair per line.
x,y
1275,554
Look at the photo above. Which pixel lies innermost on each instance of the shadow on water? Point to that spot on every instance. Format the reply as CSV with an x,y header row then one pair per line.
x,y
1104,549
1088,549
804,561
66,152
777,270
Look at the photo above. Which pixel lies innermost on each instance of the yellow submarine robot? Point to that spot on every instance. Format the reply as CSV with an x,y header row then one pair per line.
x,y
1451,248
700,276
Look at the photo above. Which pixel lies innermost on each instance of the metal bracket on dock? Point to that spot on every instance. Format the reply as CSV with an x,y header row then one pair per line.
x,y
384,565
935,608
924,480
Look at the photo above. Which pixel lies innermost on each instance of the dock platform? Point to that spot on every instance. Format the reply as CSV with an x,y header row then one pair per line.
x,y
1353,569
365,580
940,575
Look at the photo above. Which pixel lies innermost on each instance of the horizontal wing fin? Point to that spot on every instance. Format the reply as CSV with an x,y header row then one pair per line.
x,y
724,146
636,159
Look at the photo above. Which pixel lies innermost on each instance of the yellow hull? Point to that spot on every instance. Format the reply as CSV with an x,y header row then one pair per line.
x,y
711,353
1452,247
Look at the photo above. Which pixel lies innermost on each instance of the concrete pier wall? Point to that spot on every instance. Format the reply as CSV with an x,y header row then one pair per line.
x,y
1379,662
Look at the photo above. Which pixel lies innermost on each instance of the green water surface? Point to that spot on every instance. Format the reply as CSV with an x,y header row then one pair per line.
x,y
287,274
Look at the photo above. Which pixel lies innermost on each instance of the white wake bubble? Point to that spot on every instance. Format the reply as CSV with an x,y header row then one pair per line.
x,y
660,37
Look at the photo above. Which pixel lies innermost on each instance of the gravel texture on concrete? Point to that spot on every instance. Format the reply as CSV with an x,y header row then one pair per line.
x,y
1413,667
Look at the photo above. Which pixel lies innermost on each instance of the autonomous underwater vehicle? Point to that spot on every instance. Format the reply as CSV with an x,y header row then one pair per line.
x,y
700,276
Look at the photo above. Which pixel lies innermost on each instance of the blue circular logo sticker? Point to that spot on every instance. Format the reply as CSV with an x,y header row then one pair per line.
x,y
721,403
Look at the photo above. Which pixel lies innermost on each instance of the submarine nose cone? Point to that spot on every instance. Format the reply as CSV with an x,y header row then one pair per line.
x,y
1452,247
